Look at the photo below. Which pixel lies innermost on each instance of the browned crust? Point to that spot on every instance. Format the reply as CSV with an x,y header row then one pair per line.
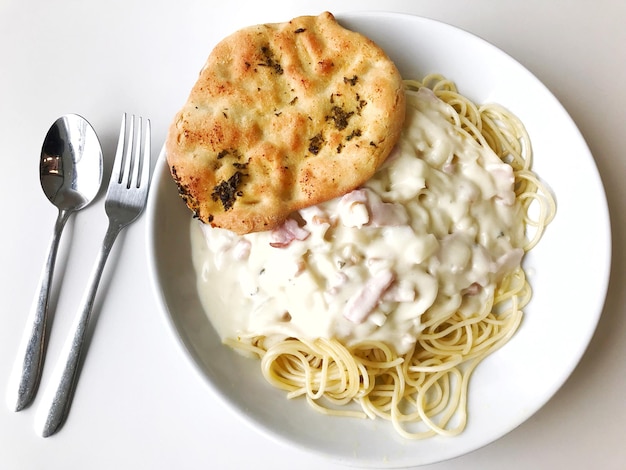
x,y
284,116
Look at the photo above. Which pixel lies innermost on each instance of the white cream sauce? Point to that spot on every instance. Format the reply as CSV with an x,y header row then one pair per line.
x,y
429,234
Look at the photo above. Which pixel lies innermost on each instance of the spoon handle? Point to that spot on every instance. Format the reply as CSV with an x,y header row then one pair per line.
x,y
59,393
26,372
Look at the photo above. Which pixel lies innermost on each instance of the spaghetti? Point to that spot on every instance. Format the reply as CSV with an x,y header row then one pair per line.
x,y
423,390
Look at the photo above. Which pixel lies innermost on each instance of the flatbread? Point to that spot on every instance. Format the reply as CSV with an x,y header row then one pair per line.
x,y
284,116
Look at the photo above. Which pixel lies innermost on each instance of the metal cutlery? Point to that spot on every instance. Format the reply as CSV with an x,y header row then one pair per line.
x,y
125,200
70,170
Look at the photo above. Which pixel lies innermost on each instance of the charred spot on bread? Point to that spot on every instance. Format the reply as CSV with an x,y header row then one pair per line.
x,y
185,193
353,134
352,81
228,190
315,143
270,61
340,117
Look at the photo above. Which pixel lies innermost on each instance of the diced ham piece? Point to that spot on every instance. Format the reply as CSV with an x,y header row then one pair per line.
x,y
427,94
384,214
353,210
356,196
504,180
378,213
361,304
400,292
242,249
509,261
289,231
473,289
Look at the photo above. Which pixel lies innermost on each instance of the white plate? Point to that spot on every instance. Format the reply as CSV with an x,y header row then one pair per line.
x,y
568,270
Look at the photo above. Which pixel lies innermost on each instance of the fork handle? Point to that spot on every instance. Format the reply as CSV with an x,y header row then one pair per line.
x,y
59,393
29,360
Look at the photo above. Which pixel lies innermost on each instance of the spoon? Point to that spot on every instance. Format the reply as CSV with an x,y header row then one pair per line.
x,y
70,169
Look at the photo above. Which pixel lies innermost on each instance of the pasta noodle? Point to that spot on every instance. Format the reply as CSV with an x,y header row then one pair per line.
x,y
423,392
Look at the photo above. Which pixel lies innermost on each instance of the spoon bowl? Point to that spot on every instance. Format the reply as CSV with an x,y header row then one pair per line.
x,y
70,170
70,166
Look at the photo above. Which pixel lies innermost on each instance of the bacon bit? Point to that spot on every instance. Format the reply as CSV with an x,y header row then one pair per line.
x,y
300,266
449,168
473,289
427,93
508,261
504,179
288,232
379,213
340,280
358,195
387,213
353,210
363,302
321,220
242,248
400,292
314,215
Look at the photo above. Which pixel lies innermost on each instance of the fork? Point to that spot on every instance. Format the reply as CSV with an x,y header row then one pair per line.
x,y
125,200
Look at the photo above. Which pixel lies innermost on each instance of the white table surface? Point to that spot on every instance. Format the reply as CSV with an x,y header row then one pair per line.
x,y
139,403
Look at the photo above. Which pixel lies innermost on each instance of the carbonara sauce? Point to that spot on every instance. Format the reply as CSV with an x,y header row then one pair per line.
x,y
430,234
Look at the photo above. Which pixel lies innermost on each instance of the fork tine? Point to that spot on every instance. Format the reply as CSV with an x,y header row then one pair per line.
x,y
133,177
130,153
146,160
116,172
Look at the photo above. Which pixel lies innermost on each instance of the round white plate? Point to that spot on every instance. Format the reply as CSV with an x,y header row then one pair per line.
x,y
568,271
